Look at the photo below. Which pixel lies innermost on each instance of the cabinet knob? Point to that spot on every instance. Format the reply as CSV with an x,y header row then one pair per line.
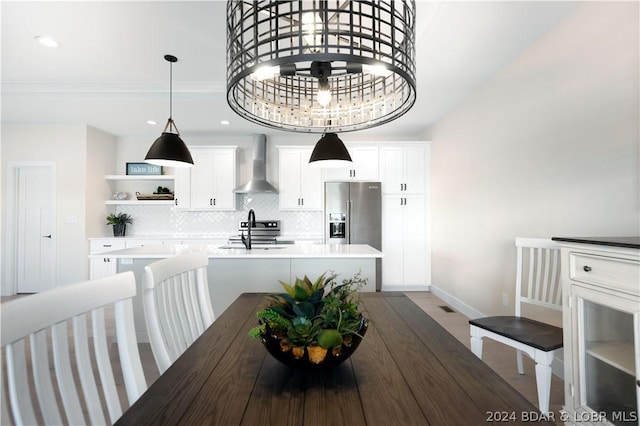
x,y
586,268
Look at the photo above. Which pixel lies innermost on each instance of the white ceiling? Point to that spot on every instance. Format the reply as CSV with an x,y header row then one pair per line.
x,y
109,71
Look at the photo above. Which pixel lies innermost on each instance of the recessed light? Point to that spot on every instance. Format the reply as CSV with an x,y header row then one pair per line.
x,y
152,122
47,41
225,122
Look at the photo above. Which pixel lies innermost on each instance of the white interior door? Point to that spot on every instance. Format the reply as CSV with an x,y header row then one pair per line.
x,y
35,238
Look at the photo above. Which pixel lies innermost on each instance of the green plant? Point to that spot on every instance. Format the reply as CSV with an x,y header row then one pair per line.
x,y
119,219
321,314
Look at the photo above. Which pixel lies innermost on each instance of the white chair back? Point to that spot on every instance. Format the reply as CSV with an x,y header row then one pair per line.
x,y
36,329
177,305
538,274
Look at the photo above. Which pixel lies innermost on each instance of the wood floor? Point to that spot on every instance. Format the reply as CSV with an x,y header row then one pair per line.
x,y
500,358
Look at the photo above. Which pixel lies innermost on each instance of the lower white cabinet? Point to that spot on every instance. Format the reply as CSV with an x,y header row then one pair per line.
x,y
404,241
104,266
601,323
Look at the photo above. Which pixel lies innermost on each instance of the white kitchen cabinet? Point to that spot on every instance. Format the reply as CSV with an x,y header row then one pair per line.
x,y
406,261
104,266
300,184
209,184
365,166
601,323
403,168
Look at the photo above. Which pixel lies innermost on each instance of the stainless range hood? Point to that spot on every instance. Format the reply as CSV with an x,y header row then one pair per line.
x,y
258,182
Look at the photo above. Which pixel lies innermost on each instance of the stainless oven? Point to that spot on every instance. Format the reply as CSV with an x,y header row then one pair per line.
x,y
263,232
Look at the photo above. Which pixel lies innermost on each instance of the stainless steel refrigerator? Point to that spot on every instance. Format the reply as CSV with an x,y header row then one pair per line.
x,y
353,215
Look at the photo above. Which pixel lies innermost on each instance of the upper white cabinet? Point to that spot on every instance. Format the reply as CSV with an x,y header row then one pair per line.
x,y
365,165
209,184
300,184
402,169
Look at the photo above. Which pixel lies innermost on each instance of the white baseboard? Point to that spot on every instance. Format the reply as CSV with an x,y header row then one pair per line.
x,y
557,366
462,307
405,287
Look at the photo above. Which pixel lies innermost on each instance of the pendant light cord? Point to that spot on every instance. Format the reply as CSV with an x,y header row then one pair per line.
x,y
170,124
170,91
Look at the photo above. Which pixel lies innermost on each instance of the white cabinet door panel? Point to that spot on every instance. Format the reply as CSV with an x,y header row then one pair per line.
x,y
392,241
300,184
224,182
414,245
414,169
391,174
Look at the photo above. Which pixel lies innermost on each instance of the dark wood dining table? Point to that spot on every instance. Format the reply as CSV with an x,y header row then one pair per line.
x,y
408,370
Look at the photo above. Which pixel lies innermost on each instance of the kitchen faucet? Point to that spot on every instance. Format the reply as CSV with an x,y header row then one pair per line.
x,y
251,222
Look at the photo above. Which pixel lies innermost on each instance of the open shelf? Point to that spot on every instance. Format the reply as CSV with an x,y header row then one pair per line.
x,y
618,354
141,202
140,177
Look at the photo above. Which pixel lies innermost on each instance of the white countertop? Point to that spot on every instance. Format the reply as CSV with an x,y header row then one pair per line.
x,y
287,251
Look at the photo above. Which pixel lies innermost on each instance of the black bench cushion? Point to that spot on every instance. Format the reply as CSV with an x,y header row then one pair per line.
x,y
524,330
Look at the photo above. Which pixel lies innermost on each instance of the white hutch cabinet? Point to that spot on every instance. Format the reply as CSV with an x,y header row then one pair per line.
x,y
601,323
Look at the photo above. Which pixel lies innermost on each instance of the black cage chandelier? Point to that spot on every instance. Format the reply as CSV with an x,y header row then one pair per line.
x,y
321,66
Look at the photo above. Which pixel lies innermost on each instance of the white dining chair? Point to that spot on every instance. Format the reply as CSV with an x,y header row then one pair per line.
x,y
538,284
52,327
177,305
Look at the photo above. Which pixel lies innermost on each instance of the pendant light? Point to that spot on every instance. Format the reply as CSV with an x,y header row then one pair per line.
x,y
330,152
169,149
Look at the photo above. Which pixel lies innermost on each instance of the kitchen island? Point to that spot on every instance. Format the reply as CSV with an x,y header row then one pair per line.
x,y
233,271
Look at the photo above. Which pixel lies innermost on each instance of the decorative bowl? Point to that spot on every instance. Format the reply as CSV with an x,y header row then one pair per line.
x,y
312,357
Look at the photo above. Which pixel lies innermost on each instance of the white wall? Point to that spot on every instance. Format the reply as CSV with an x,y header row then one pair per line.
x,y
548,147
100,161
66,145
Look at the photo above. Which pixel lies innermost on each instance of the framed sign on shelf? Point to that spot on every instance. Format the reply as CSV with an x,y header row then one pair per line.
x,y
143,169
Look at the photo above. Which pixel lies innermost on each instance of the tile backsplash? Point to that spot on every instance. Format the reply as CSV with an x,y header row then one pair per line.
x,y
164,220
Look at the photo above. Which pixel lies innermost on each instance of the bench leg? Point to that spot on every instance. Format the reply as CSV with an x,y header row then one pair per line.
x,y
476,342
519,361
543,379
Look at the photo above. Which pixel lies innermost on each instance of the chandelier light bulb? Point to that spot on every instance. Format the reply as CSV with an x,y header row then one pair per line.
x,y
324,92
312,28
265,72
378,69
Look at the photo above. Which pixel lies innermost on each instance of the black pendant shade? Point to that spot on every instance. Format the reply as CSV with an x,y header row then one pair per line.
x,y
330,152
169,149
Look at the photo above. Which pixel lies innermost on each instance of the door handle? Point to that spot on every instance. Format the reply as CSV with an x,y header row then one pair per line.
x,y
47,236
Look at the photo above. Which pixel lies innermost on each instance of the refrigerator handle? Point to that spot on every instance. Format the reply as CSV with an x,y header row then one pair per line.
x,y
348,224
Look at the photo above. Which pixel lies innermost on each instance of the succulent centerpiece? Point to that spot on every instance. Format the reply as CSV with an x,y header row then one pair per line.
x,y
313,324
